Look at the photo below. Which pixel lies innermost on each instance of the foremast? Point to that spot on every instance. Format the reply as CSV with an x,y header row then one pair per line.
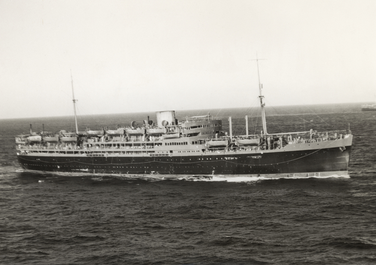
x,y
74,106
262,104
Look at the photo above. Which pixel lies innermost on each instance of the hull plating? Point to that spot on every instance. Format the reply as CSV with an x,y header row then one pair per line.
x,y
263,163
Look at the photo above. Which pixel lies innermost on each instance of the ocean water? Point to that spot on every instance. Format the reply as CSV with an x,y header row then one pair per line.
x,y
50,218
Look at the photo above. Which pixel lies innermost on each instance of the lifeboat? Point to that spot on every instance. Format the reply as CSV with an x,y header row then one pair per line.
x,y
67,136
34,139
216,143
95,132
152,131
116,132
250,142
21,139
51,139
171,135
82,133
66,139
138,131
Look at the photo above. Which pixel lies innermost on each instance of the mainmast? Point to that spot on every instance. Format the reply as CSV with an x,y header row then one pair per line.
x,y
262,104
74,106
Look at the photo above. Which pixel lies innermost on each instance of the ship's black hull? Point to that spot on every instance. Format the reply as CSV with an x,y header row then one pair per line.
x,y
290,162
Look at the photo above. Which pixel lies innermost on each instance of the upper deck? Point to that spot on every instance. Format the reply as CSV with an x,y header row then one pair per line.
x,y
197,134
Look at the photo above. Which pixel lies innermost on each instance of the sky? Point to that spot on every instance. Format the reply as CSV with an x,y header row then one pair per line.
x,y
151,55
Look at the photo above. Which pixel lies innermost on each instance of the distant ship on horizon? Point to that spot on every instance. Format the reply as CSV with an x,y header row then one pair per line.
x,y
369,107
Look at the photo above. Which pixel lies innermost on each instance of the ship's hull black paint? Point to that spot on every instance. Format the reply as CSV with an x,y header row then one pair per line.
x,y
322,160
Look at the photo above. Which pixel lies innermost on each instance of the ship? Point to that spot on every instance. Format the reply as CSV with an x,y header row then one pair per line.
x,y
192,146
369,107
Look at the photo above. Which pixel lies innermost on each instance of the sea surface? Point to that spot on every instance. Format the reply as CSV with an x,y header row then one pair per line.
x,y
47,218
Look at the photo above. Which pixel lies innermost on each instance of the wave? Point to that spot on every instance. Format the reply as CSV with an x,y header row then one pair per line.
x,y
350,242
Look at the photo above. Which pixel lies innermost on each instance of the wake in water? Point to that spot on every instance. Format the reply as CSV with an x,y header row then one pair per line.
x,y
203,178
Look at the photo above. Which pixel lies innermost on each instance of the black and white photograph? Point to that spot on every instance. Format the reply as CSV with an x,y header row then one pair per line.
x,y
188,132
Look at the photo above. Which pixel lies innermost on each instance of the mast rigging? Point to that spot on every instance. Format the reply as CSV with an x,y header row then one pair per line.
x,y
262,104
74,106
